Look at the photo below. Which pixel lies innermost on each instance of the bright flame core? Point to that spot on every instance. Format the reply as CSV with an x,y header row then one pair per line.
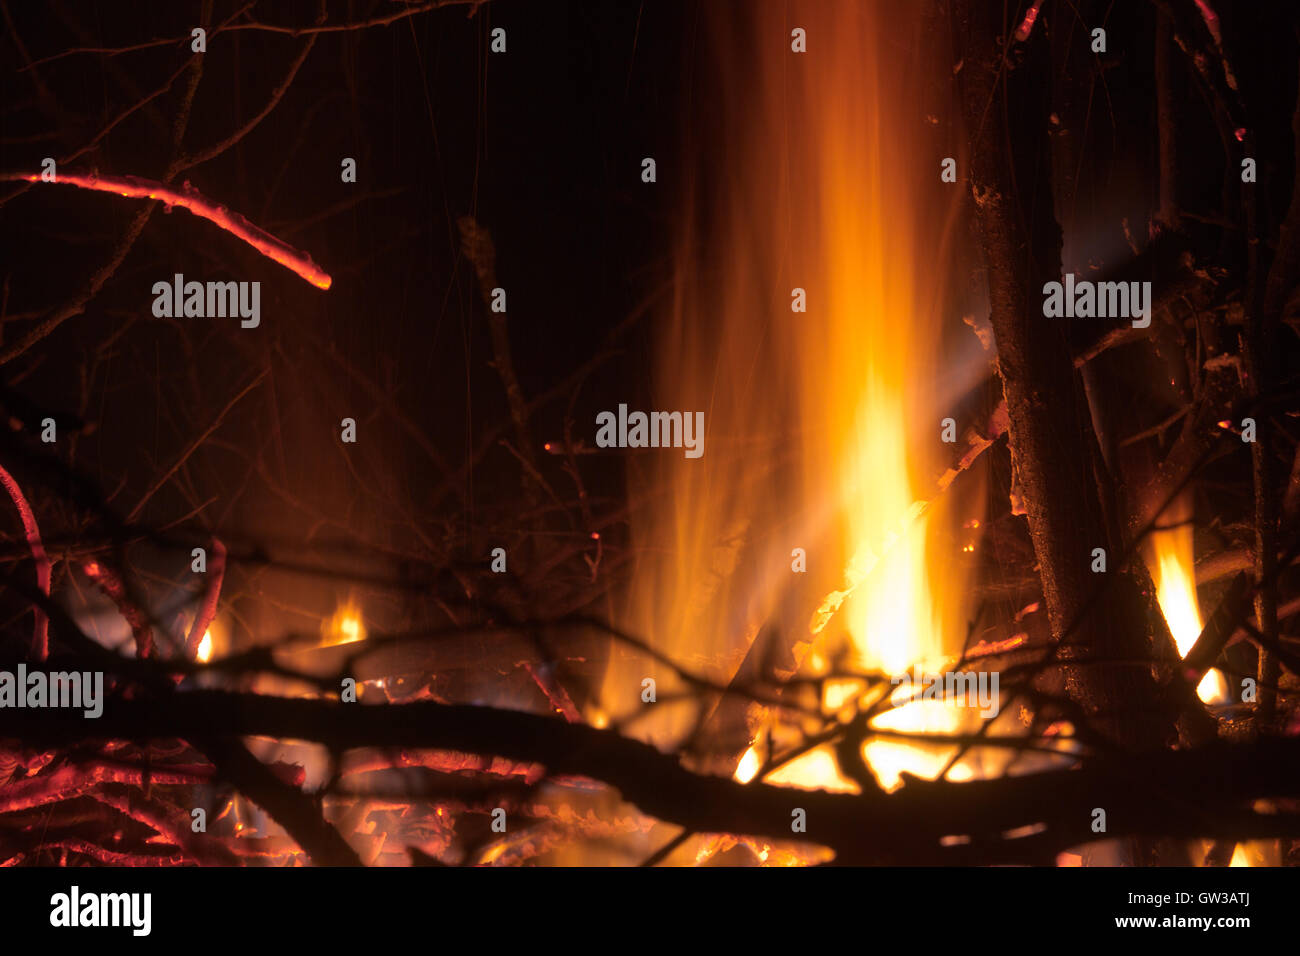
x,y
345,627
810,285
205,647
1173,572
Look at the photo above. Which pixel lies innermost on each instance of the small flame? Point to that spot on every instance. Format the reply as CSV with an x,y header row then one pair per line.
x,y
205,647
346,626
748,767
1176,591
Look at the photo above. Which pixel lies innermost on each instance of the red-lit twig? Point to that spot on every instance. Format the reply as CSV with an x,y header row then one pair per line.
x,y
40,632
187,197
544,677
208,610
172,824
76,780
108,582
1027,24
114,857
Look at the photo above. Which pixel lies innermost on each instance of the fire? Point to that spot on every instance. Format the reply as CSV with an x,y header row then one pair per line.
x,y
1175,580
345,627
807,324
205,647
749,765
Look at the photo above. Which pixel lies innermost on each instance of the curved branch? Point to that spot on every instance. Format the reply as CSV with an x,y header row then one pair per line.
x,y
134,187
40,632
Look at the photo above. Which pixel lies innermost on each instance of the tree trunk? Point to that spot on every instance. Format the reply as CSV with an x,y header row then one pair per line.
x,y
1098,619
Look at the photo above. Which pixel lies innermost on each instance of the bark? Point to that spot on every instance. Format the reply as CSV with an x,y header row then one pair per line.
x,y
1005,101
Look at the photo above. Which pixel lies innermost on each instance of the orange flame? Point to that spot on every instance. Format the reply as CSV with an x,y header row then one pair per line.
x,y
1173,571
813,353
205,647
345,627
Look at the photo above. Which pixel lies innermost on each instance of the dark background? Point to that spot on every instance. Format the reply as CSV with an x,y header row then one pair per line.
x,y
542,145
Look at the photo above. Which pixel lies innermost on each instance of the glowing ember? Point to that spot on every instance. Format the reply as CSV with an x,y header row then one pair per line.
x,y
1027,24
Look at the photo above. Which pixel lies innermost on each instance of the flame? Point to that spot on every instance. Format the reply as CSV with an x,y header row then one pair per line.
x,y
749,765
345,627
205,647
1254,853
821,424
133,187
1172,569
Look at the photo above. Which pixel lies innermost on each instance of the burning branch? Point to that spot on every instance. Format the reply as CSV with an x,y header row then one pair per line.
x,y
134,187
78,779
172,823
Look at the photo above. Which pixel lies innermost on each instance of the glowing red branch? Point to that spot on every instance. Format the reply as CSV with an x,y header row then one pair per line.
x,y
172,824
209,609
133,187
115,590
1027,24
1211,19
72,781
41,631
113,857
